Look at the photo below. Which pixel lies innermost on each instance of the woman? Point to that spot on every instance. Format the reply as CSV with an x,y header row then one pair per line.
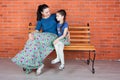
x,y
39,45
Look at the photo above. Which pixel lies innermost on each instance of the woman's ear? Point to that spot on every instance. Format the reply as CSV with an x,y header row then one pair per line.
x,y
42,13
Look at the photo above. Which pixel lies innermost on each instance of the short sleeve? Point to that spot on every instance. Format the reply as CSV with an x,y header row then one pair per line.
x,y
38,26
65,25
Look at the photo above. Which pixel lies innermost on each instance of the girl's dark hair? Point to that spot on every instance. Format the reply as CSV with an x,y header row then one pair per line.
x,y
63,13
40,9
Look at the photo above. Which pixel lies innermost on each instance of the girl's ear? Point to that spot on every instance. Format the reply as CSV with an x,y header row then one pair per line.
x,y
63,17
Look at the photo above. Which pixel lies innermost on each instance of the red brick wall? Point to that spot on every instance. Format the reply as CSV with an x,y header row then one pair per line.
x,y
103,16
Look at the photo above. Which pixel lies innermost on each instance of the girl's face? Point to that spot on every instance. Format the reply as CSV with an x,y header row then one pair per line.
x,y
59,17
46,12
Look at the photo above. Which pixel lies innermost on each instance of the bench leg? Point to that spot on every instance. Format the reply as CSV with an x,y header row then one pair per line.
x,y
93,69
88,60
92,60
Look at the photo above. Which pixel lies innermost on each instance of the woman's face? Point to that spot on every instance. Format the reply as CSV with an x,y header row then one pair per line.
x,y
46,12
59,17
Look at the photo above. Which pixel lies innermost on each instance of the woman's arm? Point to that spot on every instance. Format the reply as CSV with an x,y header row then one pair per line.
x,y
37,29
61,37
38,26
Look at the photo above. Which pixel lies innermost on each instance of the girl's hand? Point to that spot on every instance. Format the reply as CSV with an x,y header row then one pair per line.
x,y
55,41
68,36
31,37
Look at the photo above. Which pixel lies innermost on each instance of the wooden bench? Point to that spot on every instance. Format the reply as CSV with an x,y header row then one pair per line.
x,y
80,41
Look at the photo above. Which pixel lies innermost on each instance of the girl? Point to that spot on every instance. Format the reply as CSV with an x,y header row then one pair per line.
x,y
62,28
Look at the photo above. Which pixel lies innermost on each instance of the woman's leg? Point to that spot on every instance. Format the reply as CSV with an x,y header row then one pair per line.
x,y
39,70
27,71
35,51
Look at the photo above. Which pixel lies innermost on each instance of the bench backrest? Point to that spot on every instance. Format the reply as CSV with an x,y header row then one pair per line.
x,y
78,34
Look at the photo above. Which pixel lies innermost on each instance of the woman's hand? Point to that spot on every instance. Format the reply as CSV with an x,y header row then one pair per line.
x,y
31,37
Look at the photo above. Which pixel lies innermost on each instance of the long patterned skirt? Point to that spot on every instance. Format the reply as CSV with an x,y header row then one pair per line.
x,y
35,51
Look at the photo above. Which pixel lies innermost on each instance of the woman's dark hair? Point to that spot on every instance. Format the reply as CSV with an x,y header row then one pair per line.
x,y
40,9
62,12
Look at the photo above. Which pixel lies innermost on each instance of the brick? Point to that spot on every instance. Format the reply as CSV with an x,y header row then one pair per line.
x,y
103,16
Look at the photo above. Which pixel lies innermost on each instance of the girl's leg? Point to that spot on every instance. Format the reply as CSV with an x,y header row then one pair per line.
x,y
61,55
57,59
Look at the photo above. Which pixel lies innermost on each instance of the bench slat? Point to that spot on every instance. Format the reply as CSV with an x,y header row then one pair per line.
x,y
78,27
80,44
31,31
79,36
79,40
79,32
79,48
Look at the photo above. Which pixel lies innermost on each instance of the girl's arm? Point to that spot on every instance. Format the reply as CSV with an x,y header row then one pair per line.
x,y
68,35
61,37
